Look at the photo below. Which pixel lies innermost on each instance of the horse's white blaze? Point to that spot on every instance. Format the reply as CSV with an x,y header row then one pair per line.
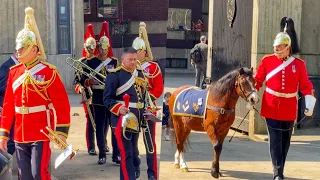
x,y
176,157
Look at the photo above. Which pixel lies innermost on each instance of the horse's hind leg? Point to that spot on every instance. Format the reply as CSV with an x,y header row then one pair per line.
x,y
182,134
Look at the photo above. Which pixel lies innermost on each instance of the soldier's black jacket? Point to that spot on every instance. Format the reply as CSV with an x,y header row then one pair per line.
x,y
101,66
4,72
76,81
119,83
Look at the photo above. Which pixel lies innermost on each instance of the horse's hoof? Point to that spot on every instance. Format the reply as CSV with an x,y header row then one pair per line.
x,y
177,166
216,174
184,170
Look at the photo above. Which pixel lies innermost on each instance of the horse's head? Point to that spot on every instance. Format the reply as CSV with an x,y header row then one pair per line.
x,y
245,86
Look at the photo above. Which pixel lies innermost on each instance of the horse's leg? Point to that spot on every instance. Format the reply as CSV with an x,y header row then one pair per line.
x,y
183,164
217,147
182,133
177,159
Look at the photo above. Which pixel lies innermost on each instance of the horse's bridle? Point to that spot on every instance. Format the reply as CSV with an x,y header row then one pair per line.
x,y
242,91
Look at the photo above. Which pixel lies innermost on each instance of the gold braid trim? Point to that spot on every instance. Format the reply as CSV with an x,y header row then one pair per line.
x,y
39,87
155,74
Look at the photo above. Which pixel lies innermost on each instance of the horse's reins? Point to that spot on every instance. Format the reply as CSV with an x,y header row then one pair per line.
x,y
278,129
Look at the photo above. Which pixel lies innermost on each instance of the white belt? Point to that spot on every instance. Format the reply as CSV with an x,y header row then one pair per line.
x,y
284,95
97,87
133,105
34,109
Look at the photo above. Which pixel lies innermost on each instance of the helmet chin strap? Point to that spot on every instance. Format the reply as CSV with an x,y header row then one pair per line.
x,y
282,54
25,53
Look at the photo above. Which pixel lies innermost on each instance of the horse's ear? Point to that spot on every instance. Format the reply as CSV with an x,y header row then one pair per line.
x,y
251,69
241,71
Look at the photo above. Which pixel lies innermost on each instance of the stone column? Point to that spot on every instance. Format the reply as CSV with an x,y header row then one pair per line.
x,y
266,24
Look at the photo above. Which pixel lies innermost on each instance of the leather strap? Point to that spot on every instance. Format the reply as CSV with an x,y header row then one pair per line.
x,y
221,110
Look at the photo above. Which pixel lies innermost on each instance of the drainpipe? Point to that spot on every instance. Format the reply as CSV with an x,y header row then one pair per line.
x,y
210,43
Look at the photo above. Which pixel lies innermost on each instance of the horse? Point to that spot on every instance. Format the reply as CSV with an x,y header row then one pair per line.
x,y
218,102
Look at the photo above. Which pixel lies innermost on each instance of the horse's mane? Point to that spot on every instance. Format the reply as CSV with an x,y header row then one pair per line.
x,y
226,84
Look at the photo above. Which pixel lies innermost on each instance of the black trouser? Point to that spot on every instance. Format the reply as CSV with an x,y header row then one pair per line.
x,y
151,157
33,160
129,154
279,143
102,120
115,149
201,71
89,128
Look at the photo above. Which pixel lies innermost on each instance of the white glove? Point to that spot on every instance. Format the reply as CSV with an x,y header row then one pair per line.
x,y
310,101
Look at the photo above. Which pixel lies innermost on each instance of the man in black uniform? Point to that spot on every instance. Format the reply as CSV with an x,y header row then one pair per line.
x,y
101,113
4,72
124,97
88,54
105,55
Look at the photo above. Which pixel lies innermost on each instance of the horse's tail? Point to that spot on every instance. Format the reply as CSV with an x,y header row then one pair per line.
x,y
174,141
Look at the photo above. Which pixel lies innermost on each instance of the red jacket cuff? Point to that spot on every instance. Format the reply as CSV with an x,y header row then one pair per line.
x,y
116,109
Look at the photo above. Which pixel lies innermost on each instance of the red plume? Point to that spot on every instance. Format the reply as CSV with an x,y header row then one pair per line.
x,y
89,33
105,32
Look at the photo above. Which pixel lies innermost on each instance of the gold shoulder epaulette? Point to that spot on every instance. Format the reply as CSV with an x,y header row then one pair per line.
x,y
298,59
16,65
267,55
114,70
49,65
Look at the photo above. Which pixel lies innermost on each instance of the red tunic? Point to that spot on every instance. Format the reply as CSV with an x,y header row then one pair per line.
x,y
286,81
39,92
155,79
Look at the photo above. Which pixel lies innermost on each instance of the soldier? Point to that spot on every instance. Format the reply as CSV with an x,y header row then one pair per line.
x,y
36,98
4,72
121,82
106,54
89,52
284,75
101,113
155,90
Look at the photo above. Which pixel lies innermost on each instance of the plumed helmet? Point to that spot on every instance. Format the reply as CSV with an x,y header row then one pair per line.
x,y
89,41
139,43
104,38
29,35
282,38
287,35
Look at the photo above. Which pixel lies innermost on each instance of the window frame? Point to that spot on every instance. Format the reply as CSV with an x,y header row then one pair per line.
x,y
93,17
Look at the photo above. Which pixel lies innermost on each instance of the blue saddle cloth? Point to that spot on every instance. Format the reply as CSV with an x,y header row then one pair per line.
x,y
191,102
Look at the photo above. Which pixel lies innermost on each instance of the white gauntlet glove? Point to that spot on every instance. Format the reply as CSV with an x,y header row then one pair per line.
x,y
310,102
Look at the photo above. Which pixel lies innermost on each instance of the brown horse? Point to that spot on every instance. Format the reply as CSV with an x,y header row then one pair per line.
x,y
219,113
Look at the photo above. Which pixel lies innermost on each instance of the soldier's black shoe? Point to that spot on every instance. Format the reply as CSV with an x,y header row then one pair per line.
x,y
92,152
137,174
152,178
102,160
107,149
116,160
278,178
